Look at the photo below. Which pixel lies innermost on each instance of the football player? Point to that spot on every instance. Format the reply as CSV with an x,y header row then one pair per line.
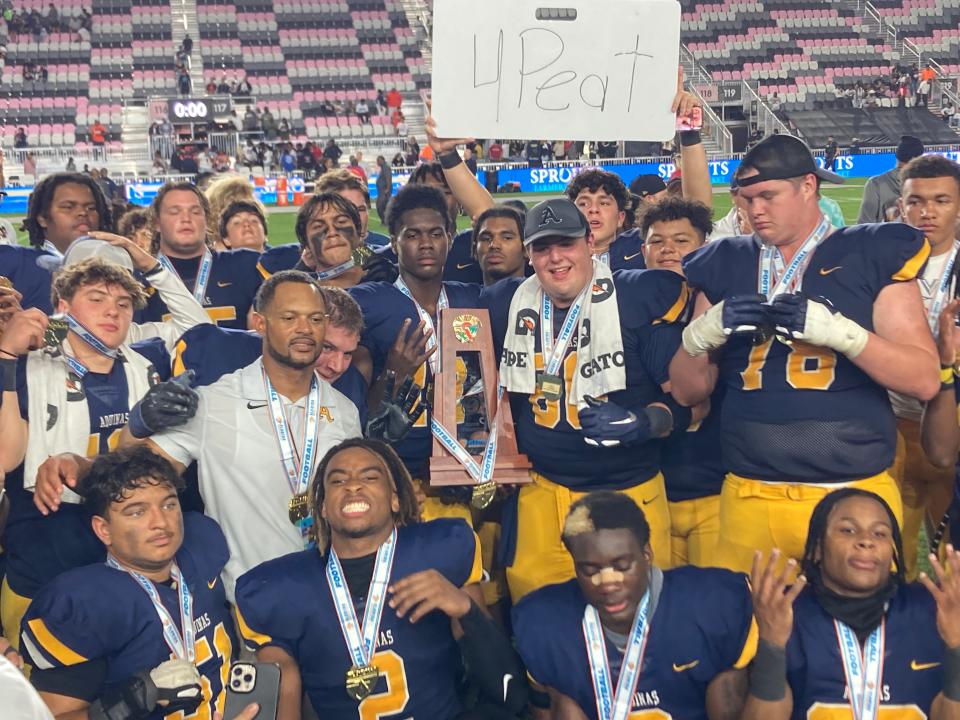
x,y
807,328
163,642
498,244
371,622
851,638
626,639
224,282
585,354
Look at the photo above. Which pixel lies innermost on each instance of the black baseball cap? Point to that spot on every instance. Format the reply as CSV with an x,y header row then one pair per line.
x,y
644,185
558,218
908,148
781,157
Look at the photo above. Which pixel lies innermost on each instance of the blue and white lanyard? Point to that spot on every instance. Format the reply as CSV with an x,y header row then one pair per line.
x,y
442,304
52,249
864,672
182,646
482,472
939,298
335,271
78,368
610,705
203,274
789,280
362,640
604,257
553,355
296,466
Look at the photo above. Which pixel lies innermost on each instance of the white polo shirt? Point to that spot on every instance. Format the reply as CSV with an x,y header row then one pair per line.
x,y
241,475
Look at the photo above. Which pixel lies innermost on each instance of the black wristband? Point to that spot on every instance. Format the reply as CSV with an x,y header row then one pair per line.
x,y
450,159
690,137
682,415
951,674
155,270
474,621
8,375
768,672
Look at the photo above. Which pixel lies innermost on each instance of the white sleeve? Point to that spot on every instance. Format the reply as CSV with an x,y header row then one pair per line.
x,y
182,443
185,311
19,697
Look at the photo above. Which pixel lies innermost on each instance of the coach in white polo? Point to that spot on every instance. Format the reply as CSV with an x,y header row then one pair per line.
x,y
259,433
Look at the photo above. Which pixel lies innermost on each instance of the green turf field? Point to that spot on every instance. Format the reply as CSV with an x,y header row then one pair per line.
x,y
281,222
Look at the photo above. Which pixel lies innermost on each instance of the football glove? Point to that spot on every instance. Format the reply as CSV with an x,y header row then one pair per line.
x,y
797,317
739,314
167,404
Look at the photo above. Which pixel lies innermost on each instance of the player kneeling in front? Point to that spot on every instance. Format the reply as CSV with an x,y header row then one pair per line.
x,y
850,638
369,621
625,639
148,633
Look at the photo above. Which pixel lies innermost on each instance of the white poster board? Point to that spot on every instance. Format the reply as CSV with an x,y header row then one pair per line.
x,y
606,70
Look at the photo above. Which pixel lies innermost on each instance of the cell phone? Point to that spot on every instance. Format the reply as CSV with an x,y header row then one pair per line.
x,y
693,120
253,683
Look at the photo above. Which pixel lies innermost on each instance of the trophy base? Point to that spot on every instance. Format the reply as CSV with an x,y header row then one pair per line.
x,y
446,471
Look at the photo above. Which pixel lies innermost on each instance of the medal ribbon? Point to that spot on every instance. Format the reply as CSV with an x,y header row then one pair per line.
x,y
362,640
183,646
943,290
553,355
604,257
482,472
335,271
442,304
788,280
78,368
615,706
203,274
52,249
864,672
297,467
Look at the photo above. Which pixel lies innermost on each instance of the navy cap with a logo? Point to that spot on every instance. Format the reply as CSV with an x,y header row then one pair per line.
x,y
558,218
780,157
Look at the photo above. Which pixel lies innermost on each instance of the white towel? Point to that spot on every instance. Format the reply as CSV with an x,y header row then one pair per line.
x,y
598,333
59,418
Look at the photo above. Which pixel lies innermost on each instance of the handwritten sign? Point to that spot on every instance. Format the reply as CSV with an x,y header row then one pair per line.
x,y
580,70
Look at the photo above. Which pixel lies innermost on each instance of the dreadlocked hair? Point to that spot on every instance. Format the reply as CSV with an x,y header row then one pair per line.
x,y
403,484
816,531
42,198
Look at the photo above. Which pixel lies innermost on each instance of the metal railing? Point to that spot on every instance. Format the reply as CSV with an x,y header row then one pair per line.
x,y
765,118
713,126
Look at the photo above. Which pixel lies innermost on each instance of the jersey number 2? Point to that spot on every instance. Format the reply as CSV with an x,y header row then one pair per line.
x,y
808,367
395,698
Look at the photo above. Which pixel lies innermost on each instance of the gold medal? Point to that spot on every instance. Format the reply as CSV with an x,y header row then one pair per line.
x,y
56,332
551,386
360,255
299,508
482,494
6,282
361,681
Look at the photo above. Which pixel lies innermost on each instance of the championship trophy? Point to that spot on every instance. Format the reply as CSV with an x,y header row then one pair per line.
x,y
474,443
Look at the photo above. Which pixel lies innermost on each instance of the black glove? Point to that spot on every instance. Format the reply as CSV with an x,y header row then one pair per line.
x,y
396,415
165,405
378,268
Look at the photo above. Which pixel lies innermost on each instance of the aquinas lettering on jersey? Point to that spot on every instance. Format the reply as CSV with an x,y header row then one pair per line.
x,y
646,699
884,697
601,362
386,639
113,420
201,623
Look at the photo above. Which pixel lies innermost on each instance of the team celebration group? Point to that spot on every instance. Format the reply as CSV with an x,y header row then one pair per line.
x,y
215,451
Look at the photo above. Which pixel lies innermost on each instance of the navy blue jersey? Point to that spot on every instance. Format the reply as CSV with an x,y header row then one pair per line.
x,y
234,280
384,310
280,257
19,265
626,251
548,432
41,547
702,626
375,239
70,623
692,461
212,352
912,659
798,412
287,602
460,265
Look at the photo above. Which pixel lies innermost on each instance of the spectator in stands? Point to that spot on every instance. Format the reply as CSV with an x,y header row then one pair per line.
x,y
854,146
928,73
159,164
211,87
136,225
71,165
183,82
284,130
470,160
332,152
98,136
948,111
363,111
268,124
244,88
187,45
223,87
288,161
381,102
394,99
251,125
204,162
109,187
20,138
398,160
923,93
401,126
881,192
413,151
830,152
